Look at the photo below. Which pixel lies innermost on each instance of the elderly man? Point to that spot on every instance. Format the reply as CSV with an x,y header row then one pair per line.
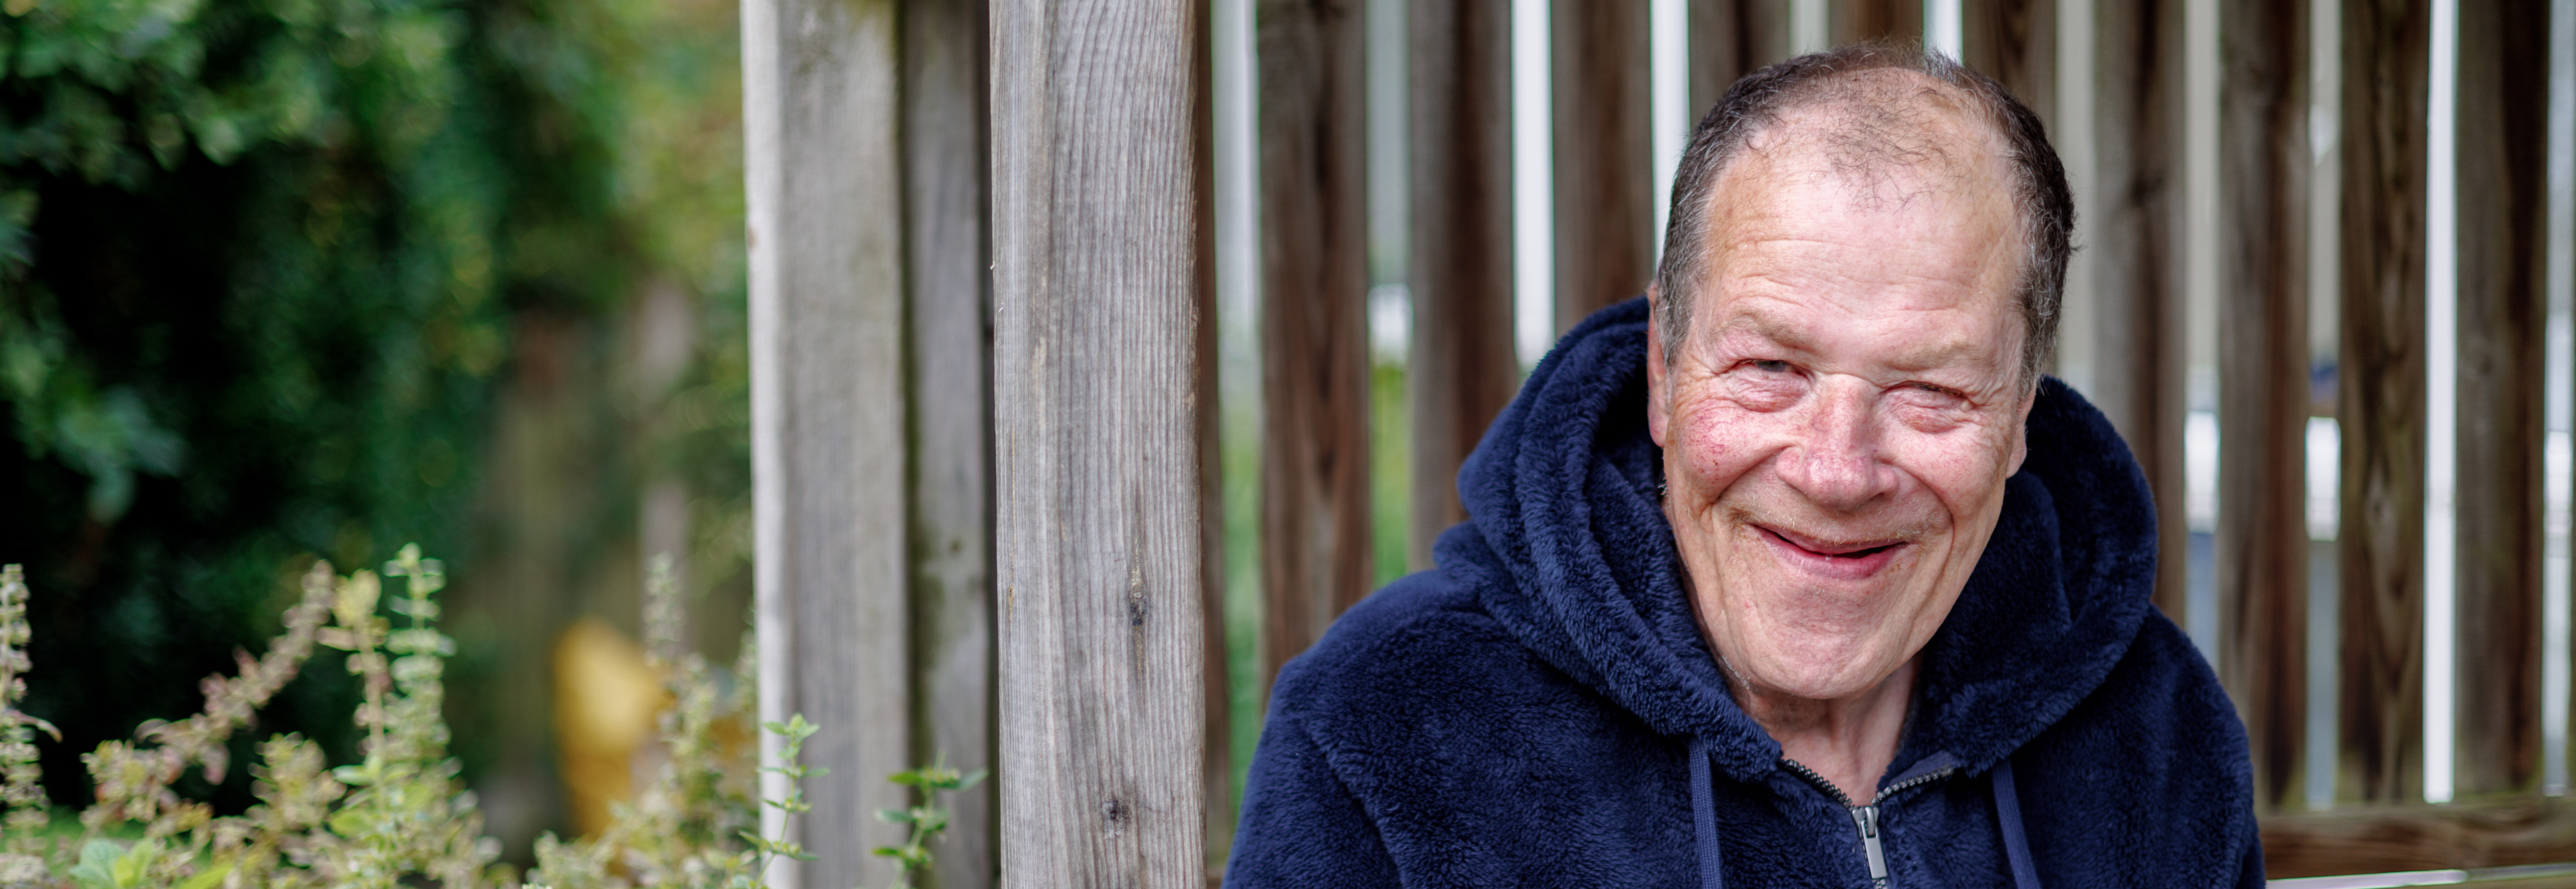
x,y
1796,573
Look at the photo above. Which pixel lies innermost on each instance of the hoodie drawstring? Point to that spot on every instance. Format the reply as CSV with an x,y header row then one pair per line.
x,y
2008,814
1704,815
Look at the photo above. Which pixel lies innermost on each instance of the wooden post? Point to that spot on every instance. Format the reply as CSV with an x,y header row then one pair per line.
x,y
821,114
2137,341
1605,212
2015,42
1100,281
2503,96
948,319
2380,397
1316,555
1730,39
1855,21
2262,539
1462,368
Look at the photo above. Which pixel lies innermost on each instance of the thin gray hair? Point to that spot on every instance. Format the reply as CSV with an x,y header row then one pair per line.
x,y
1762,99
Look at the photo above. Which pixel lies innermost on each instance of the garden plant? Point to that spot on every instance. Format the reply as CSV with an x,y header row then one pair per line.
x,y
399,816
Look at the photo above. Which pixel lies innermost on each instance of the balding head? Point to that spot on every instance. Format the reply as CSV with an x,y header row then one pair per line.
x,y
1887,124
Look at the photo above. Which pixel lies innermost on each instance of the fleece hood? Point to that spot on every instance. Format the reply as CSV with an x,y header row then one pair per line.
x,y
1580,566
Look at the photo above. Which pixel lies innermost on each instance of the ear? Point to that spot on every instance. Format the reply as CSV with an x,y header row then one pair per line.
x,y
1658,408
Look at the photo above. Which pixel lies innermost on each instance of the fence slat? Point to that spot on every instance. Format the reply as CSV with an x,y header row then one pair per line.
x,y
2137,339
1100,197
2503,95
952,413
2015,42
2262,539
1858,20
821,118
1315,547
1730,39
2380,397
1605,212
1462,369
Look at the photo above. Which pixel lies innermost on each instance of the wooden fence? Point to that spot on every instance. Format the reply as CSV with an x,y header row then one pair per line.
x,y
984,349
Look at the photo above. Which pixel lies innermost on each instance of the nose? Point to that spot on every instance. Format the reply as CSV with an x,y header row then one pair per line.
x,y
1835,463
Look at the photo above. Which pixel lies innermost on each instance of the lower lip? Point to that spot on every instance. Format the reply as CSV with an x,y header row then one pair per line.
x,y
1837,567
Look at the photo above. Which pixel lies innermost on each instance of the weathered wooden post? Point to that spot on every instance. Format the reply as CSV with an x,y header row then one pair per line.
x,y
1101,277
821,116
1315,545
2381,397
2262,538
1604,190
1462,370
2136,284
871,415
2503,110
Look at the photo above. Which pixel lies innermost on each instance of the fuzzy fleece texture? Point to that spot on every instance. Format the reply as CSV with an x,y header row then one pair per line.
x,y
1524,714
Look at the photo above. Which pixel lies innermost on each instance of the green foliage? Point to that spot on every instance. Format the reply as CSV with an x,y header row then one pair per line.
x,y
398,816
927,821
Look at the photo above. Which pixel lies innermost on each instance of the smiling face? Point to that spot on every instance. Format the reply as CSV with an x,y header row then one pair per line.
x,y
1840,417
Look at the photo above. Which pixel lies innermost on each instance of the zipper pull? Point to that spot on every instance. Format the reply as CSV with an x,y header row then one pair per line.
x,y
1866,818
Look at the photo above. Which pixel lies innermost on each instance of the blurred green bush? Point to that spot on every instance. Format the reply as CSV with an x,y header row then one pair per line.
x,y
263,268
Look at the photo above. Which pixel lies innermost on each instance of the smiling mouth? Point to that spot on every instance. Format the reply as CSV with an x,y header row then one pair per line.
x,y
1850,561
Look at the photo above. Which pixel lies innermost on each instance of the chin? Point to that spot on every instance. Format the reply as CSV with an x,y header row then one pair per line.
x,y
1820,681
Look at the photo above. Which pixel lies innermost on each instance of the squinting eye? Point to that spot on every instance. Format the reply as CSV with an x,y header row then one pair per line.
x,y
1771,366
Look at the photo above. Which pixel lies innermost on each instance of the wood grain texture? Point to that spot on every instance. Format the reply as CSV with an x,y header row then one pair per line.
x,y
1605,214
1316,557
1730,39
1100,184
822,113
2137,343
2015,42
2376,839
1855,21
2503,95
2262,536
948,322
1462,366
2380,399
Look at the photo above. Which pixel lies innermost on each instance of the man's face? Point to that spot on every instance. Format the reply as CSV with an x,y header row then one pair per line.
x,y
1841,416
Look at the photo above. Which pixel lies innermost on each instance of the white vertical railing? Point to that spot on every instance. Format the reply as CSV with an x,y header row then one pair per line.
x,y
2560,396
2441,402
1533,185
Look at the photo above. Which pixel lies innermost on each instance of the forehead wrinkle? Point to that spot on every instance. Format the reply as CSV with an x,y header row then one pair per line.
x,y
1915,351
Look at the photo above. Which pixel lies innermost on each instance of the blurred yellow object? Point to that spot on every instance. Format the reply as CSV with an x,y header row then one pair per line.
x,y
606,698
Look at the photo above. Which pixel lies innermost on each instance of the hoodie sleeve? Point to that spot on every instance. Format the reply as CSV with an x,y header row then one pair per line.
x,y
1301,825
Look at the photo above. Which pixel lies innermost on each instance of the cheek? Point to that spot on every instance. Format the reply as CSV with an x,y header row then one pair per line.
x,y
1715,442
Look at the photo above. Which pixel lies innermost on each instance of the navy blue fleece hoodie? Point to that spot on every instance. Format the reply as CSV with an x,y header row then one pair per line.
x,y
1540,710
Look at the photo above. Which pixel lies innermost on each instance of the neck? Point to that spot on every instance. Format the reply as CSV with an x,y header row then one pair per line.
x,y
1849,741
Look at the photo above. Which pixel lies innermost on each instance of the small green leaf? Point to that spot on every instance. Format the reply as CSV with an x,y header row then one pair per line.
x,y
97,865
210,877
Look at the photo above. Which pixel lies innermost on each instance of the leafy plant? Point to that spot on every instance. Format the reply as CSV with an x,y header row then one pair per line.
x,y
927,820
399,815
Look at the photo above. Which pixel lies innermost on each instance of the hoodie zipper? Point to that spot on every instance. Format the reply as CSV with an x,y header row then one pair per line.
x,y
1864,818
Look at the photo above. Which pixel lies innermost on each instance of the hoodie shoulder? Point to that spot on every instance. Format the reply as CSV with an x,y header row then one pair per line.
x,y
2152,766
1425,630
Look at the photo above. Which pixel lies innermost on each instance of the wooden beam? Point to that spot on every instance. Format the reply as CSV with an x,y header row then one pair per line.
x,y
2380,398
1316,557
1462,366
2015,42
827,287
1855,21
2262,536
2503,98
1605,213
2378,839
1100,273
949,382
2137,341
1730,39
